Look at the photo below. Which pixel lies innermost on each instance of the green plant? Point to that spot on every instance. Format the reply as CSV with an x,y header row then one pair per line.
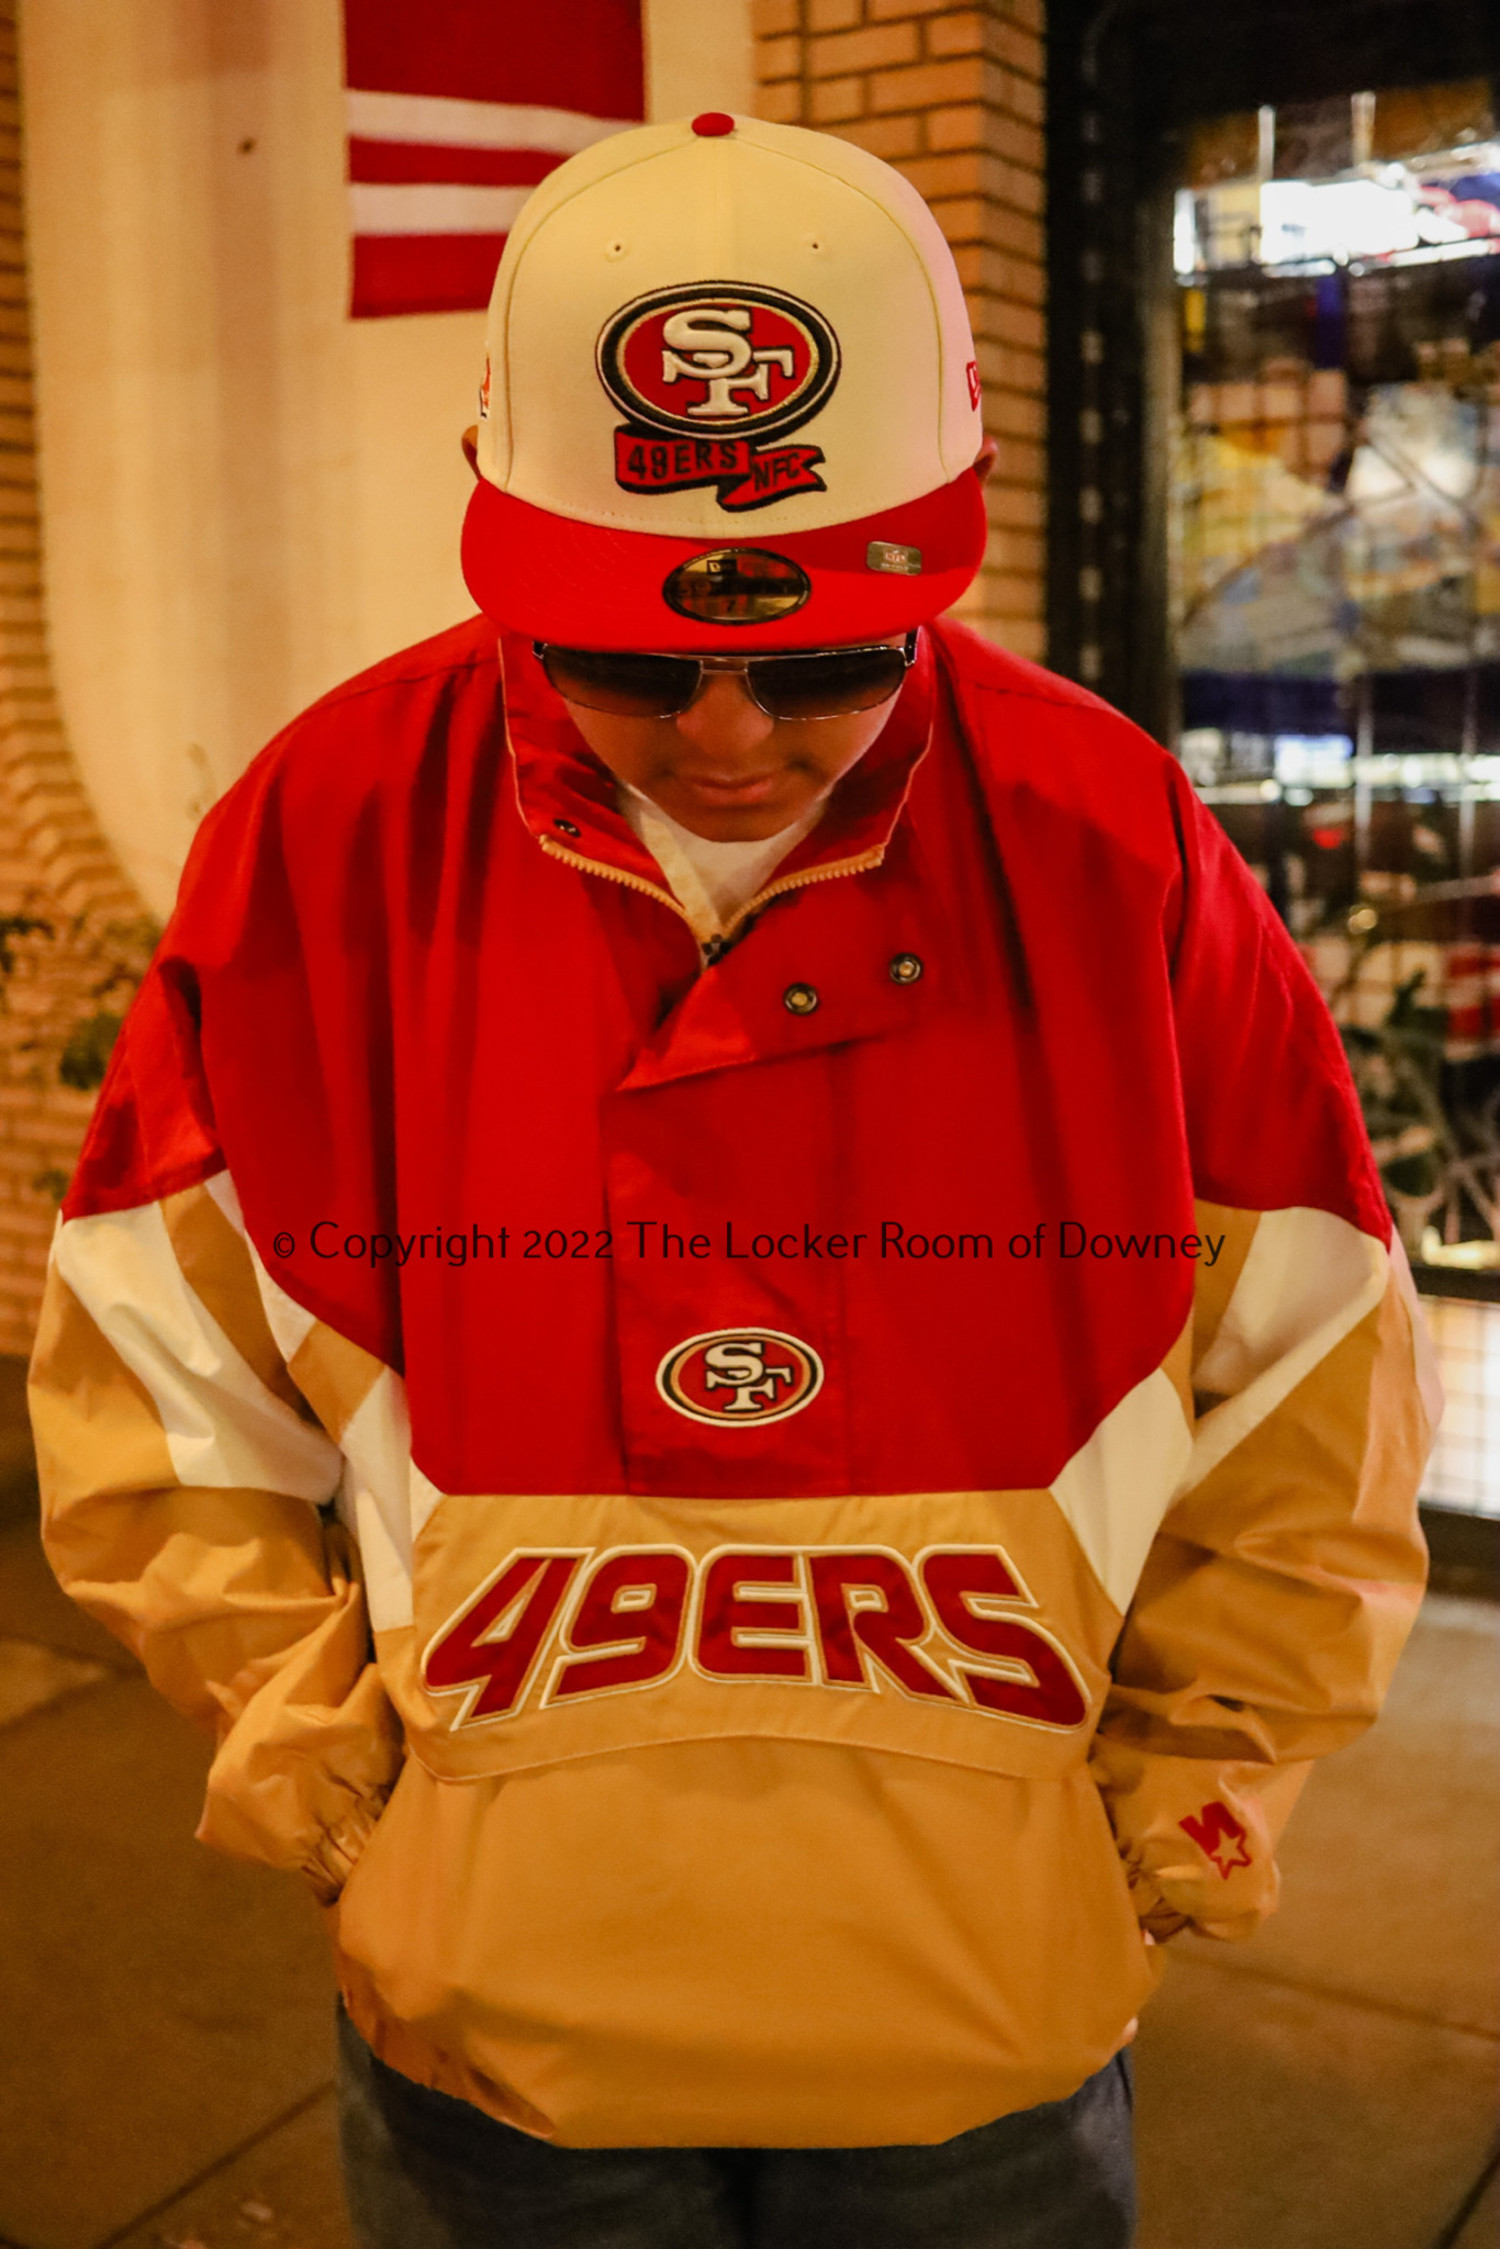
x,y
93,970
13,926
85,1056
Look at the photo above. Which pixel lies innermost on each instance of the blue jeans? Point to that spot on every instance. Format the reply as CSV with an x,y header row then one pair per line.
x,y
424,2171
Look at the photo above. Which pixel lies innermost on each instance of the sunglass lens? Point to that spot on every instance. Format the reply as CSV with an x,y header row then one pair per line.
x,y
829,686
627,685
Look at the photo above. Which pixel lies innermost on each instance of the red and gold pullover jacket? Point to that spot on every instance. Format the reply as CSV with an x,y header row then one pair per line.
x,y
750,1519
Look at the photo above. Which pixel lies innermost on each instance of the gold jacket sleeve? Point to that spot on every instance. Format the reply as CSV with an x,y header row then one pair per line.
x,y
1285,1575
182,1476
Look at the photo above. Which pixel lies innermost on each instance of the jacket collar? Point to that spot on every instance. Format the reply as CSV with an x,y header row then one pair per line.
x,y
567,798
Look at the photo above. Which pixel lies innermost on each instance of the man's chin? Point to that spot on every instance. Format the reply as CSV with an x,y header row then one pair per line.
x,y
729,822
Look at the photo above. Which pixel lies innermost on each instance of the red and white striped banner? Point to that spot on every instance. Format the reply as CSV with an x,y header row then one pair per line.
x,y
456,108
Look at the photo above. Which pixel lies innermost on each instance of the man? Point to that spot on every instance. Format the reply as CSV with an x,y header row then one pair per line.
x,y
754,1193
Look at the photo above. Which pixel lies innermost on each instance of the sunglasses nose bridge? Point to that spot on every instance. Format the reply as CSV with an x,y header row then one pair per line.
x,y
742,667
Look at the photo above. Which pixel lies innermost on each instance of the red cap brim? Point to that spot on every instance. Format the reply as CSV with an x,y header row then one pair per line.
x,y
587,586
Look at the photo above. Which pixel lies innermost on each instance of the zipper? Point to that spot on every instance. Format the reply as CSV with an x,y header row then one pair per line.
x,y
713,948
610,874
859,865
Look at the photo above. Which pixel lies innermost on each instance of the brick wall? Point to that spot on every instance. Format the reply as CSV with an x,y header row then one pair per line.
x,y
952,96
55,868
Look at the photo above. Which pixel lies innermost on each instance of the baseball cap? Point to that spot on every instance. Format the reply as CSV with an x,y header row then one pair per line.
x,y
730,399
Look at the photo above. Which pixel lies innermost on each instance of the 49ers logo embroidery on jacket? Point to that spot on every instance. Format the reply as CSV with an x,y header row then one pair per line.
x,y
703,374
740,1377
552,1626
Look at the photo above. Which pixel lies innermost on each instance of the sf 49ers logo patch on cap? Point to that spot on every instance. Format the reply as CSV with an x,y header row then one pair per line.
x,y
740,1376
704,373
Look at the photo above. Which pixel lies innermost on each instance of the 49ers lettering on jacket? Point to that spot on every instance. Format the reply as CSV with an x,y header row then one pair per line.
x,y
750,1521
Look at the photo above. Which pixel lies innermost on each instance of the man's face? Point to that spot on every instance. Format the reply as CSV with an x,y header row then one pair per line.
x,y
724,768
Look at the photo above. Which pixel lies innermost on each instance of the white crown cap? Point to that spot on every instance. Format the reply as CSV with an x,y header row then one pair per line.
x,y
768,207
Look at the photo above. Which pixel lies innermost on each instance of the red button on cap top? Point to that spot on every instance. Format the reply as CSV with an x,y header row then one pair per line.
x,y
712,125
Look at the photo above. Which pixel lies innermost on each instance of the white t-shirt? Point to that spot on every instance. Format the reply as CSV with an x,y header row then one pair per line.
x,y
709,880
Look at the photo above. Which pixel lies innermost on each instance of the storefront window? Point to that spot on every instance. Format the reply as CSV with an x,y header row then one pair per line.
x,y
1335,564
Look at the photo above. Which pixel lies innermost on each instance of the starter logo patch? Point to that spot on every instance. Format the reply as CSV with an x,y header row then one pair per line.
x,y
1219,1836
704,374
739,1377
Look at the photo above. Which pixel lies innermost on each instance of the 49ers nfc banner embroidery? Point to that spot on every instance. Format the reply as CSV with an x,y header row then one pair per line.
x,y
455,110
746,479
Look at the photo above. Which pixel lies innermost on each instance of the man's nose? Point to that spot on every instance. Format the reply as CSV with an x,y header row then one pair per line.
x,y
722,718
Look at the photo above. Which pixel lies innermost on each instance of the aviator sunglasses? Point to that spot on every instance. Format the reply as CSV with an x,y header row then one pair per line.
x,y
812,683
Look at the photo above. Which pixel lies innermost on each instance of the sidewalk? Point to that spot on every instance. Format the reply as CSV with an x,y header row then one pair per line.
x,y
165,2074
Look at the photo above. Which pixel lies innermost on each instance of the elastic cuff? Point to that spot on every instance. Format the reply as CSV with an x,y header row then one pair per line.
x,y
1152,1911
338,1852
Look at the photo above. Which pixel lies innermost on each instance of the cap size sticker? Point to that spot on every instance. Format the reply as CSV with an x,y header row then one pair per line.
x,y
704,373
905,562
